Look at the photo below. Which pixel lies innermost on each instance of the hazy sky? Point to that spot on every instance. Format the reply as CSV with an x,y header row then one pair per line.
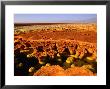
x,y
54,18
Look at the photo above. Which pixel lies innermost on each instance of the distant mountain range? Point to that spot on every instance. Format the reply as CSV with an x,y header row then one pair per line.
x,y
93,20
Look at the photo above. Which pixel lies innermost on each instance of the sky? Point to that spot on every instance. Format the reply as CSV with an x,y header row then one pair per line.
x,y
54,18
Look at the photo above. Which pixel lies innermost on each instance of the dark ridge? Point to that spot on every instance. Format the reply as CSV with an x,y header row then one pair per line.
x,y
29,24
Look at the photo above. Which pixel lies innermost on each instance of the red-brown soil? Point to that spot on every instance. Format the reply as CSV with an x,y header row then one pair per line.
x,y
87,36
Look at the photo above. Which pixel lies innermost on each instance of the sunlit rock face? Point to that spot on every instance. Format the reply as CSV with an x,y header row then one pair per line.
x,y
59,71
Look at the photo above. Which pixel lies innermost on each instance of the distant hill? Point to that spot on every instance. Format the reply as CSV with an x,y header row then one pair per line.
x,y
92,20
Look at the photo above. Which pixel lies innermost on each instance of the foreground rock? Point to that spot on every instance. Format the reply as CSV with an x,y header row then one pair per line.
x,y
56,70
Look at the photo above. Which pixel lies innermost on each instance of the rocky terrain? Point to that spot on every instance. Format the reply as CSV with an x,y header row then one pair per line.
x,y
55,50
